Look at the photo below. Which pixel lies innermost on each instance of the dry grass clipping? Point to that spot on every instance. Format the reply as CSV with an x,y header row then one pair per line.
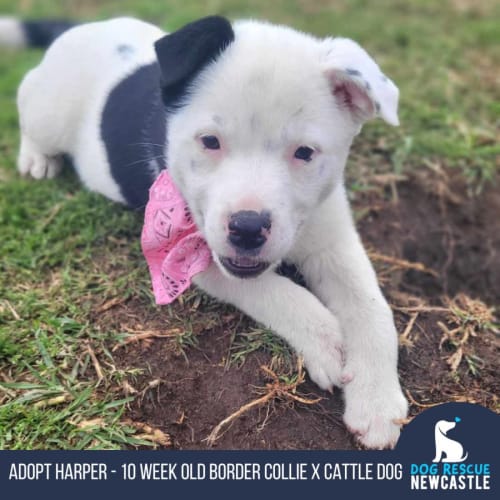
x,y
135,336
95,362
404,338
403,264
151,434
276,389
145,432
465,319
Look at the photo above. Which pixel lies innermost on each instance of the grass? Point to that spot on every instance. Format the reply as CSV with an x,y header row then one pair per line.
x,y
64,252
258,339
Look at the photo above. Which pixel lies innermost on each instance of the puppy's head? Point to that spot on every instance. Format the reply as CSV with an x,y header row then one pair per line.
x,y
261,119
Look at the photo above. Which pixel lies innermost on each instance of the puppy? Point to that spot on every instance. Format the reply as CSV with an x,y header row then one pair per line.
x,y
254,123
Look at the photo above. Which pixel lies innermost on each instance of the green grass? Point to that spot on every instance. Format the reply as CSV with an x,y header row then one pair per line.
x,y
64,251
246,343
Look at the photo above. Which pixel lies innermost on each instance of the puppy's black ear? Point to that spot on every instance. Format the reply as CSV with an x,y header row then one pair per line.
x,y
182,54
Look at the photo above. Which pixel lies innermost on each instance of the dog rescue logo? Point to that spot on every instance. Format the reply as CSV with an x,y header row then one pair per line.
x,y
447,449
449,469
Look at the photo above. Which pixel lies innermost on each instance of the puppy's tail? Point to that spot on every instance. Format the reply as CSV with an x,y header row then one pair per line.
x,y
19,34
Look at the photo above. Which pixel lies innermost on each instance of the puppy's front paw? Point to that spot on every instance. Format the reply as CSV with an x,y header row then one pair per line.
x,y
323,356
372,414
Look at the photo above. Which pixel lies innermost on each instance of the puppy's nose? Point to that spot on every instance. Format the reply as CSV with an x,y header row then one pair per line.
x,y
247,229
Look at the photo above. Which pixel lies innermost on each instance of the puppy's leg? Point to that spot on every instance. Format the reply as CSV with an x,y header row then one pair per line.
x,y
32,161
333,261
292,312
38,155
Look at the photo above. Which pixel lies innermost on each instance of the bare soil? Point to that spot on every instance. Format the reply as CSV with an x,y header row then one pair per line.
x,y
447,352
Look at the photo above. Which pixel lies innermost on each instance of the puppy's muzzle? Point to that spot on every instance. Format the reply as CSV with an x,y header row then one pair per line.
x,y
248,230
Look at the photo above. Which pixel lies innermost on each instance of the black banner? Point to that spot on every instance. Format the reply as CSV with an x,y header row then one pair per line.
x,y
449,450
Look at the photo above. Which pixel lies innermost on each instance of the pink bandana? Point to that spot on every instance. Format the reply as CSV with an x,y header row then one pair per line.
x,y
174,248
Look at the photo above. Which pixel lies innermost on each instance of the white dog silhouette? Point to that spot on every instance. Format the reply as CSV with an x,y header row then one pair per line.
x,y
452,449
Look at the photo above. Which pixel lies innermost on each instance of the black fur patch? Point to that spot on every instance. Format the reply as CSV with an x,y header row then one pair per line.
x,y
184,53
43,33
133,129
290,271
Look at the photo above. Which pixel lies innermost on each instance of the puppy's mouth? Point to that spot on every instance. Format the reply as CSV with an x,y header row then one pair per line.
x,y
244,267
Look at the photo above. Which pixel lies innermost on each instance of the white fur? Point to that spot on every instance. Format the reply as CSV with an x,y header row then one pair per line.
x,y
11,33
268,93
345,53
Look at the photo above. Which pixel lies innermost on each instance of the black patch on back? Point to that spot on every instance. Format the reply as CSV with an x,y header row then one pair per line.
x,y
43,33
133,129
184,53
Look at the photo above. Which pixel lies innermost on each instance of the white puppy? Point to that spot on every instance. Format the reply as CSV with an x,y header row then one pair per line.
x,y
254,123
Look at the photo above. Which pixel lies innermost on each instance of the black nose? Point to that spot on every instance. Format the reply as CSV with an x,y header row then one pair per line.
x,y
247,229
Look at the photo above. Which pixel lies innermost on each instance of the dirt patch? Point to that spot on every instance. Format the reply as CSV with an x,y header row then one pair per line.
x,y
437,224
449,345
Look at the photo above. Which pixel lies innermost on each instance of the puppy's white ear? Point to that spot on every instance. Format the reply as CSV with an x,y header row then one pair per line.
x,y
357,83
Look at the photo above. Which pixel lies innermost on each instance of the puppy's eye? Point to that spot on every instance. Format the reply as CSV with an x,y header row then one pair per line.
x,y
210,142
304,153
